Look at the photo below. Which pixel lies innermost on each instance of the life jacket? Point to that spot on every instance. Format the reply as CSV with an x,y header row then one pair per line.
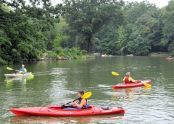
x,y
80,100
23,70
126,80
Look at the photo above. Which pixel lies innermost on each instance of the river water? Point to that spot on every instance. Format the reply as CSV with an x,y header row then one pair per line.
x,y
56,82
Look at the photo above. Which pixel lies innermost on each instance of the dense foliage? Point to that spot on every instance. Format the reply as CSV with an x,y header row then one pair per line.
x,y
146,29
112,27
87,17
23,28
27,30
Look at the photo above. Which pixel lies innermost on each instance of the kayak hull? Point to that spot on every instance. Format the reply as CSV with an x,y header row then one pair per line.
x,y
59,112
132,85
15,75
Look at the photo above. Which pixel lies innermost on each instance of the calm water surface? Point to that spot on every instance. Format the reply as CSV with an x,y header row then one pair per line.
x,y
57,82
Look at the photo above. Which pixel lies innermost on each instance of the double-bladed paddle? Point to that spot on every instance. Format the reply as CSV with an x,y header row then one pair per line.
x,y
10,69
114,73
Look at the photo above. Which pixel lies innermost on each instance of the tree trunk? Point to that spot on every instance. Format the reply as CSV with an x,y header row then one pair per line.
x,y
89,44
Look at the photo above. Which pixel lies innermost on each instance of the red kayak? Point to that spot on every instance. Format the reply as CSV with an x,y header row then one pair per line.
x,y
131,85
58,111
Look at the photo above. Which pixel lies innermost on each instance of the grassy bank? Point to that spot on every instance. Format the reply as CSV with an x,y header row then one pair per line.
x,y
55,54
64,54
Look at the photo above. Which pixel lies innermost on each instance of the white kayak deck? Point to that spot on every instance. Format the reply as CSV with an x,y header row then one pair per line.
x,y
17,75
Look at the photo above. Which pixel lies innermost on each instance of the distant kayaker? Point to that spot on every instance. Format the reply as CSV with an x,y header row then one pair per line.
x,y
80,102
169,58
128,79
22,70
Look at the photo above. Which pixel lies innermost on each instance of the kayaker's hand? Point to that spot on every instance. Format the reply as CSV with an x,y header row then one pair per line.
x,y
137,81
74,104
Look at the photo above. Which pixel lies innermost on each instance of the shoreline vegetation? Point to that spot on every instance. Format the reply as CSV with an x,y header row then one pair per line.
x,y
50,55
76,29
64,54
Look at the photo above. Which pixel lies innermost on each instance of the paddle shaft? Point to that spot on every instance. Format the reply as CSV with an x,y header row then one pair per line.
x,y
72,101
10,69
85,96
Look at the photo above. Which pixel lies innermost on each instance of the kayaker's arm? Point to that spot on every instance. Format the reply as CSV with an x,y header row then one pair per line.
x,y
132,80
74,100
83,103
124,79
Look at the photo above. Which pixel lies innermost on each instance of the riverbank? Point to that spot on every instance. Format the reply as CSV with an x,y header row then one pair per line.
x,y
63,54
56,54
74,53
160,54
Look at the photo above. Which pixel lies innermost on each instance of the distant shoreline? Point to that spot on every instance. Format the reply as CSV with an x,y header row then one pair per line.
x,y
154,54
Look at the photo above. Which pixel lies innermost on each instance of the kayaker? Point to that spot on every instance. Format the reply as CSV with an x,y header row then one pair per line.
x,y
169,58
22,70
128,79
80,102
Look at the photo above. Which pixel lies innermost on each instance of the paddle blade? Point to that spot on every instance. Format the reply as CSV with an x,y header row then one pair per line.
x,y
87,95
147,85
115,73
8,68
31,76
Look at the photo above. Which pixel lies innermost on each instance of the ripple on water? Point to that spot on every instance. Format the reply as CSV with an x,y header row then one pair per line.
x,y
53,85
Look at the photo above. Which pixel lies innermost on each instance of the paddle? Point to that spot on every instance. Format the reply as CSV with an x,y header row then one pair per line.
x,y
147,85
86,95
114,73
31,76
10,69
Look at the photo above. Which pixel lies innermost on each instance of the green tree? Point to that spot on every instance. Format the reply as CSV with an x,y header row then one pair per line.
x,y
138,45
87,17
23,27
168,29
144,23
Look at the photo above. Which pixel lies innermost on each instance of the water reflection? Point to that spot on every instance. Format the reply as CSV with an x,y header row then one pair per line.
x,y
57,82
129,94
55,120
10,82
